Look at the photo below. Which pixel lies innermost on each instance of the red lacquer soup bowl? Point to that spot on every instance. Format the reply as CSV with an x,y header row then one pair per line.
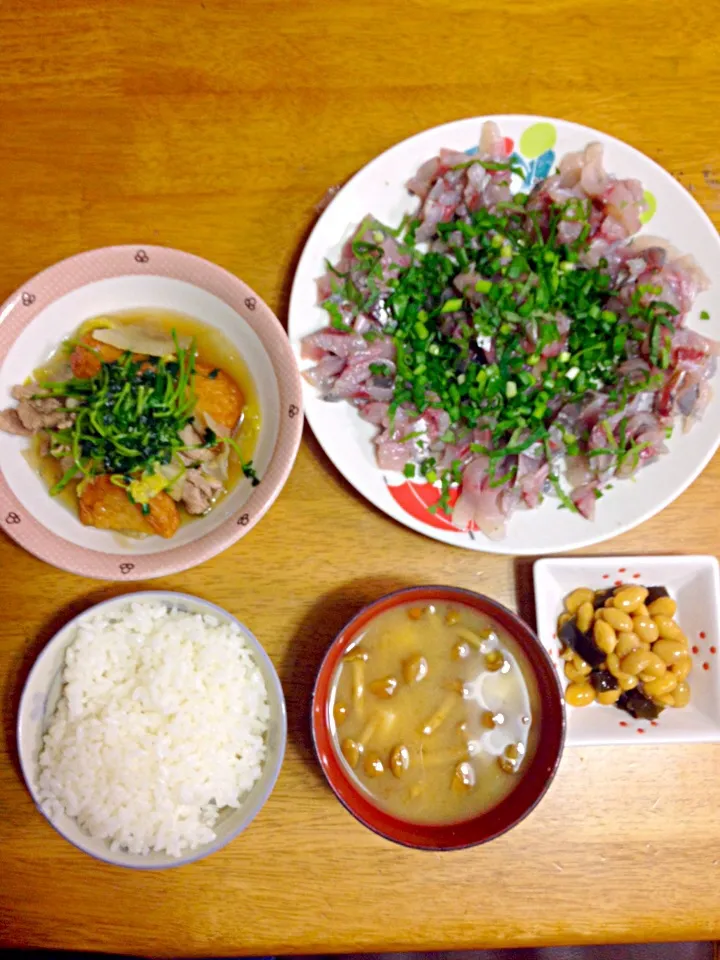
x,y
549,718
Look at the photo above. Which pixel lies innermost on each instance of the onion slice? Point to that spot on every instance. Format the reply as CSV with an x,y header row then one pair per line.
x,y
151,343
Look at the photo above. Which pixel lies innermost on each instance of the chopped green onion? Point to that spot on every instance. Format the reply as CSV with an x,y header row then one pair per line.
x,y
528,281
450,306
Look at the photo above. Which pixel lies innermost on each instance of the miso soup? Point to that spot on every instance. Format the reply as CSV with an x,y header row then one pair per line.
x,y
432,712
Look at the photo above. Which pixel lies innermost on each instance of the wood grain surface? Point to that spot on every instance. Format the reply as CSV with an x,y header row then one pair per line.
x,y
217,127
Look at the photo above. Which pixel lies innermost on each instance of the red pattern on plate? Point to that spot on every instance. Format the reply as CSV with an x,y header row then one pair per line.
x,y
702,634
416,498
706,666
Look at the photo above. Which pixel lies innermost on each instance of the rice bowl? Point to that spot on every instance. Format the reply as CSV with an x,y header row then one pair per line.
x,y
151,729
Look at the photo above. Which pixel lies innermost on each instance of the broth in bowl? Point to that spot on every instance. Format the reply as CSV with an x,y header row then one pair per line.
x,y
139,422
432,710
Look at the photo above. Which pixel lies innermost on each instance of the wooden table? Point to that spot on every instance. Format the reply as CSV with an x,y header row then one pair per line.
x,y
217,127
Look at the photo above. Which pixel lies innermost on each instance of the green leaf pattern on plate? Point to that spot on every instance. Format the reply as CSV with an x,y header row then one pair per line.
x,y
537,139
650,207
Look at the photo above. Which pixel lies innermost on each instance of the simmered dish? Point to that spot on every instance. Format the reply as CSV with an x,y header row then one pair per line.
x,y
432,712
139,421
513,347
623,646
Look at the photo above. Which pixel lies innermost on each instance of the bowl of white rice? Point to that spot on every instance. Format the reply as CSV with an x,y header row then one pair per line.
x,y
152,729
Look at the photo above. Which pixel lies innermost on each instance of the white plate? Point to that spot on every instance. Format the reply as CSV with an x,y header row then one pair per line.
x,y
693,582
379,189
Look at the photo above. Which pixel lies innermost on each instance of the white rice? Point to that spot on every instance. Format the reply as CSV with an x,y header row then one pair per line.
x,y
162,722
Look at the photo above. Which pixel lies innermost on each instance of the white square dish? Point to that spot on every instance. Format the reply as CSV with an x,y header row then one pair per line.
x,y
694,582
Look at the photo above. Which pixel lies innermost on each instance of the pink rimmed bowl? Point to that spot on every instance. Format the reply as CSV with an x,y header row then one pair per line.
x,y
48,308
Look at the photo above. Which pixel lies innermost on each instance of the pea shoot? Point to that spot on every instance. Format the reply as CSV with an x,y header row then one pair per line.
x,y
129,418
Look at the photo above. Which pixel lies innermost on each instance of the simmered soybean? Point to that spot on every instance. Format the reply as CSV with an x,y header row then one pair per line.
x,y
647,657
